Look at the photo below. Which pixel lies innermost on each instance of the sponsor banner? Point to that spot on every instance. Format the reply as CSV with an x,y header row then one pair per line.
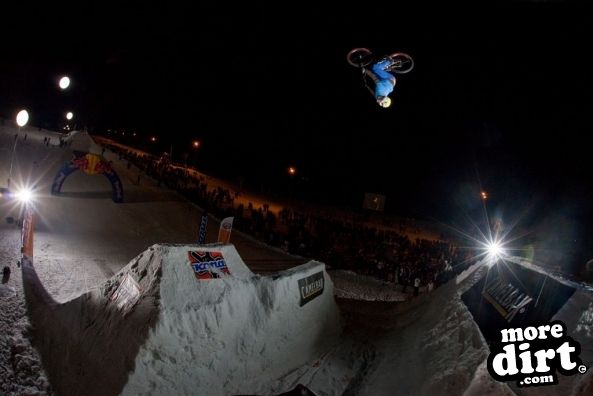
x,y
127,294
311,287
27,234
226,226
207,265
92,164
506,298
203,229
374,202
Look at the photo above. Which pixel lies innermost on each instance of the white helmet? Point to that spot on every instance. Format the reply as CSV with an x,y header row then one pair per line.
x,y
384,101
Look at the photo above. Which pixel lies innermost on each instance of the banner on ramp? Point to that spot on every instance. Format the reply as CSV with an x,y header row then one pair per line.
x,y
127,293
311,287
510,295
506,298
208,265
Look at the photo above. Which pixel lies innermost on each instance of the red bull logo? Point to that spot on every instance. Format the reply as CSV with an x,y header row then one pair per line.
x,y
92,164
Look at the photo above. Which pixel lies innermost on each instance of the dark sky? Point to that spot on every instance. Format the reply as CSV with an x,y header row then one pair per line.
x,y
500,96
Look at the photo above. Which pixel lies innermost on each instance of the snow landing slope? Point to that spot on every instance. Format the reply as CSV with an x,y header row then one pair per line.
x,y
235,334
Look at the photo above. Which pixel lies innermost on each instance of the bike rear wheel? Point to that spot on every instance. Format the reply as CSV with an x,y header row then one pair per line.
x,y
360,57
402,63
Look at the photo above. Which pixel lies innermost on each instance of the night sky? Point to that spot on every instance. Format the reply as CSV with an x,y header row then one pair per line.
x,y
499,99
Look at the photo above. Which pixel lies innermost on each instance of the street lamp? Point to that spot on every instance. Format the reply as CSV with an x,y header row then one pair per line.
x,y
484,195
64,82
21,120
69,115
291,172
153,139
195,144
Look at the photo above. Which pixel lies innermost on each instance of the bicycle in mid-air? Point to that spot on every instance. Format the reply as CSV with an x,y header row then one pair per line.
x,y
401,63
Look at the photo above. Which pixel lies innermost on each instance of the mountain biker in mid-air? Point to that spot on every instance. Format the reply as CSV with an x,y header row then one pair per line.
x,y
380,72
384,81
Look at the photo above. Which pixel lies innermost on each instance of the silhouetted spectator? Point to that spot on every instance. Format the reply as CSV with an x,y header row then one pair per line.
x,y
5,274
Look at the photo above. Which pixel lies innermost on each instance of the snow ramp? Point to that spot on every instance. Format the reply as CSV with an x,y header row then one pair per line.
x,y
188,319
517,293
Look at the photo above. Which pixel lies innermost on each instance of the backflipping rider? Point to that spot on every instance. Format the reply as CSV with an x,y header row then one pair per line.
x,y
384,81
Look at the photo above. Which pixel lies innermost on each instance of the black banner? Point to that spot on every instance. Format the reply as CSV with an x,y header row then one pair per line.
x,y
511,295
311,287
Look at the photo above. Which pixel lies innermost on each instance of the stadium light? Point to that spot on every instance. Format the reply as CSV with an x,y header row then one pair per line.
x,y
494,249
22,118
24,195
64,82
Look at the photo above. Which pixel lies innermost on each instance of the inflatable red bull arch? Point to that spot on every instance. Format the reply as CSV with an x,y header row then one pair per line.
x,y
91,164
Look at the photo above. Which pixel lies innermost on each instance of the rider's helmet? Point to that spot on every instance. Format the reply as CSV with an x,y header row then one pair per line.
x,y
384,101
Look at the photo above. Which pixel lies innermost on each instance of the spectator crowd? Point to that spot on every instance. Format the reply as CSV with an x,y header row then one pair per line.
x,y
384,252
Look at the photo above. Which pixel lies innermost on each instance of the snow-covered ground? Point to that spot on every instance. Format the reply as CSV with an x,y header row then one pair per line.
x,y
83,240
21,370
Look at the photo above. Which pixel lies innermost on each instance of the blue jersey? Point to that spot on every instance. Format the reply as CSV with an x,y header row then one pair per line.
x,y
384,86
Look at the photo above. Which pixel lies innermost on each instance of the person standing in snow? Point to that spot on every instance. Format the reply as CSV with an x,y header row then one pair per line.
x,y
416,286
5,274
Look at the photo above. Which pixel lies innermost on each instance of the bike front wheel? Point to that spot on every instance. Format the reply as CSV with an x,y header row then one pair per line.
x,y
402,63
360,57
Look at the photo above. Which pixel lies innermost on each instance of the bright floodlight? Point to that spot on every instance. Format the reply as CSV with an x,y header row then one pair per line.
x,y
69,115
494,249
64,82
22,118
25,195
